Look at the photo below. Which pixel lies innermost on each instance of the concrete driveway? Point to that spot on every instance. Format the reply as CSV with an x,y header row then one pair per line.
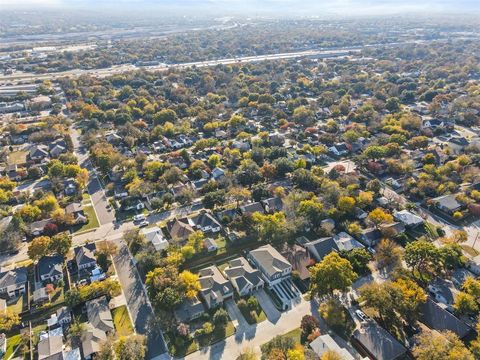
x,y
235,315
267,305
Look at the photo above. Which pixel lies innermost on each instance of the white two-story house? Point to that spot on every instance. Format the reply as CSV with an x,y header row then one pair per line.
x,y
272,265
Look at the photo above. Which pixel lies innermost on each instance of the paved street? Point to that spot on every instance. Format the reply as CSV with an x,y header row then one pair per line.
x,y
137,300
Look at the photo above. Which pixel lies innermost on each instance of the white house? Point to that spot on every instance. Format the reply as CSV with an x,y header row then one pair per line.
x,y
155,236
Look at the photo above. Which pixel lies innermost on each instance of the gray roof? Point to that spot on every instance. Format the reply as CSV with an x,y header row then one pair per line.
x,y
448,202
273,204
379,342
241,273
252,208
99,314
179,229
189,309
85,254
325,343
13,277
92,340
321,247
407,218
214,287
271,261
50,348
50,266
205,219
437,318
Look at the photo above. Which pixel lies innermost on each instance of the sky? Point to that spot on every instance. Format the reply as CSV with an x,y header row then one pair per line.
x,y
281,6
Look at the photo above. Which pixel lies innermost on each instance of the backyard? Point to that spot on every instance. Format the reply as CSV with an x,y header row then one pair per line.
x,y
121,320
92,223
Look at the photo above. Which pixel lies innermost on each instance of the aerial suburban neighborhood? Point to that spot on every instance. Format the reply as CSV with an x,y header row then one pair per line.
x,y
247,187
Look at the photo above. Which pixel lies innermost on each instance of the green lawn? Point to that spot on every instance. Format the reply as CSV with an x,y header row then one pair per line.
x,y
295,334
17,157
121,320
18,306
12,343
253,317
217,335
180,347
92,220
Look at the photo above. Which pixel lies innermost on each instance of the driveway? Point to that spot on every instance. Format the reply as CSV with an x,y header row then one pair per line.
x,y
268,306
235,315
138,303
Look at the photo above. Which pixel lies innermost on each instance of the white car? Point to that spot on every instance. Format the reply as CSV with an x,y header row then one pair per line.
x,y
361,315
143,223
139,218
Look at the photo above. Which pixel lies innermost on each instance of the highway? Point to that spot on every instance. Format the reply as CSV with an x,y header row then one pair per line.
x,y
162,67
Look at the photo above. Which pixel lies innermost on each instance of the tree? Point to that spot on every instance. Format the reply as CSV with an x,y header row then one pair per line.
x,y
445,345
423,257
280,344
190,283
82,178
272,228
331,274
312,210
60,244
163,116
131,348
346,204
196,240
331,355
379,216
388,254
295,354
134,239
73,297
247,354
465,304
308,325
239,194
8,320
165,288
220,318
359,258
76,331
333,313
39,247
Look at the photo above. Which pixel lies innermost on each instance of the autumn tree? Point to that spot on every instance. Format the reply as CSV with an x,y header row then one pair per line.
x,y
388,254
333,273
130,348
8,320
445,345
39,247
379,216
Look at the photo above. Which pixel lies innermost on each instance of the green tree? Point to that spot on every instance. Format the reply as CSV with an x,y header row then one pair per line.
x,y
130,348
445,345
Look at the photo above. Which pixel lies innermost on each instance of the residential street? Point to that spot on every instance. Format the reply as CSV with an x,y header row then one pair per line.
x,y
137,300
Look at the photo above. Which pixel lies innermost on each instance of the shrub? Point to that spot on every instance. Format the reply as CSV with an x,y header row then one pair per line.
x,y
220,317
252,303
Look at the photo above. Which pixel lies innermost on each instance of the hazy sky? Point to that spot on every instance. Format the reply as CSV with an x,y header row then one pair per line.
x,y
351,6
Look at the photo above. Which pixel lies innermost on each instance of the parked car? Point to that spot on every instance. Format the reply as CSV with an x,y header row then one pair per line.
x,y
139,218
361,315
143,223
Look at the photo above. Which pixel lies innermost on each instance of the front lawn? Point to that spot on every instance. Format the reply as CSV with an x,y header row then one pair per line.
x,y
219,333
18,306
179,346
122,322
251,310
17,157
92,220
295,335
12,343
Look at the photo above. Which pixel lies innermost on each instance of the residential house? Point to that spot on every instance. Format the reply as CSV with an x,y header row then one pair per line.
x,y
340,149
99,314
251,208
40,296
75,210
273,266
438,318
393,229
320,248
214,288
36,228
272,205
85,256
92,341
325,343
38,103
211,245
69,187
243,277
155,236
50,348
218,173
62,317
50,268
371,236
408,219
300,259
179,230
38,153
345,242
377,342
189,310
205,222
448,204
13,282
